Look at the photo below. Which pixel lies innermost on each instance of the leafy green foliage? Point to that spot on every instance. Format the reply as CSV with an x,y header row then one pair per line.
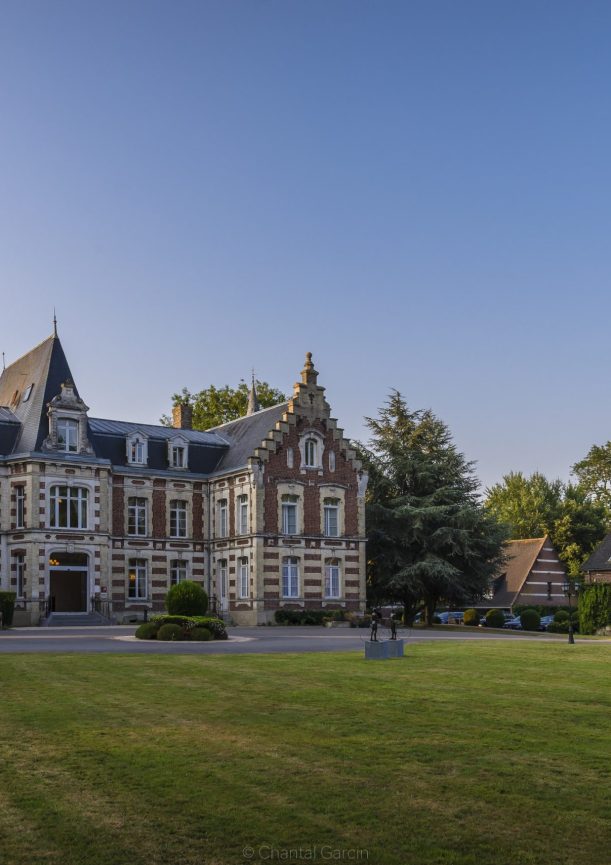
x,y
471,618
300,617
7,608
200,634
217,405
187,599
594,474
170,632
214,625
147,631
534,506
428,535
594,607
530,620
495,619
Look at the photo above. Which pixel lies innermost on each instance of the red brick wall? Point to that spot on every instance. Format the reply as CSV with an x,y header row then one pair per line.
x,y
198,512
344,475
159,514
118,507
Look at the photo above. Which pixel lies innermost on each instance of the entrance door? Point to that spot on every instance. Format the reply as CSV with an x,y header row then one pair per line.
x,y
68,582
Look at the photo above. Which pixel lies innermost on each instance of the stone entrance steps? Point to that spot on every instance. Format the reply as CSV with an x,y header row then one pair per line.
x,y
75,620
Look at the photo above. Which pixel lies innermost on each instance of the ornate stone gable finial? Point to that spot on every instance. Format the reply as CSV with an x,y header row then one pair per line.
x,y
308,374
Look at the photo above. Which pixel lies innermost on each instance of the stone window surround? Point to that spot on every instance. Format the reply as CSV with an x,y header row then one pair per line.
x,y
178,441
333,491
72,481
179,496
131,438
292,488
311,433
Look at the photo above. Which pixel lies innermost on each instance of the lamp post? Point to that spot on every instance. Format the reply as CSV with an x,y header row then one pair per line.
x,y
570,587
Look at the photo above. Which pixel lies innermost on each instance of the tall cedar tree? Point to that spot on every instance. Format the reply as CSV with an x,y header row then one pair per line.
x,y
429,537
217,405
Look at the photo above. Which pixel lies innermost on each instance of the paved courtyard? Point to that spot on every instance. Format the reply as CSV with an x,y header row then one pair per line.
x,y
241,640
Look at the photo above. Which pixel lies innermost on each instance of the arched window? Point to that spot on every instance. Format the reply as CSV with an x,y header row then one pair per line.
x,y
290,577
137,451
332,578
68,507
311,453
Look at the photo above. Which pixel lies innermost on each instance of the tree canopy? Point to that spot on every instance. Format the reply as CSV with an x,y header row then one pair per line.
x,y
594,474
535,506
216,405
429,537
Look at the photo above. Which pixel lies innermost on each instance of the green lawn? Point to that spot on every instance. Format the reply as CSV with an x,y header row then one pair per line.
x,y
487,753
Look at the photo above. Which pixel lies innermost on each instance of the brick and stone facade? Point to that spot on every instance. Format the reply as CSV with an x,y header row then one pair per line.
x,y
266,511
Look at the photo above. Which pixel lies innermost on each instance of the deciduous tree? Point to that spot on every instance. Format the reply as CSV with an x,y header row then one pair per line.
x,y
216,405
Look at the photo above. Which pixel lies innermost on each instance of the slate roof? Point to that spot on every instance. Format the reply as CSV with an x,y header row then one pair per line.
x,y
599,560
245,434
125,428
44,368
521,556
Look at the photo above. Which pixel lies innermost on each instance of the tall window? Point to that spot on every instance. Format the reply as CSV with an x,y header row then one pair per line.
x,y
223,519
20,573
222,577
331,461
332,579
178,457
242,515
19,507
137,451
68,507
178,519
136,516
311,453
67,435
331,513
290,577
244,578
137,589
178,571
289,514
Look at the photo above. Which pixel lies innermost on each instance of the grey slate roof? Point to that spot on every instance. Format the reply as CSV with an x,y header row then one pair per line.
x,y
7,416
246,434
599,560
45,368
125,428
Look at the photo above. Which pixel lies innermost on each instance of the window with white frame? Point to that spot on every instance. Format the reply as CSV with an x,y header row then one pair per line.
x,y
223,519
19,507
68,507
137,580
19,562
222,577
67,435
137,451
290,577
178,519
289,514
136,516
331,517
311,452
244,578
332,578
178,571
243,515
178,456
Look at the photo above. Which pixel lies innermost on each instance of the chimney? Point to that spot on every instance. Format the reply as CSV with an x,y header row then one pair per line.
x,y
182,415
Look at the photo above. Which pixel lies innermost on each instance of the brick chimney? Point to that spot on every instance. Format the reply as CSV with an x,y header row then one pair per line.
x,y
182,415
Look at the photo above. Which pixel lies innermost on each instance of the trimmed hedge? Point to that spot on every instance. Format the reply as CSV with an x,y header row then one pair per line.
x,y
471,618
302,617
170,632
200,634
495,619
147,631
594,607
215,626
530,620
561,616
187,599
7,607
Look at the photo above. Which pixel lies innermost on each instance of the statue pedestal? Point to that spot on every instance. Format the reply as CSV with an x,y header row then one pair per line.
x,y
383,650
394,648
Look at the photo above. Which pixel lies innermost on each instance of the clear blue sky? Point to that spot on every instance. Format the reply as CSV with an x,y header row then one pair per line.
x,y
417,192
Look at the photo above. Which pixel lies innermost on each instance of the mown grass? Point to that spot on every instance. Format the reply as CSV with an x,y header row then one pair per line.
x,y
464,753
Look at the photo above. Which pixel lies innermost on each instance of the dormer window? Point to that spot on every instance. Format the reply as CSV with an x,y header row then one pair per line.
x,y
311,453
137,450
67,435
178,453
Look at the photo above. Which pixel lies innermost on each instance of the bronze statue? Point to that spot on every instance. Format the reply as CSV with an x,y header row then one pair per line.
x,y
375,616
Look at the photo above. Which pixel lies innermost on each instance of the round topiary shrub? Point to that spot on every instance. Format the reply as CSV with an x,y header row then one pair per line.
x,y
170,632
471,618
561,616
147,631
530,620
495,619
200,634
187,599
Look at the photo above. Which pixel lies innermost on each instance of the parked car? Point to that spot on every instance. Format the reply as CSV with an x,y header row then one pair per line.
x,y
545,622
514,624
451,617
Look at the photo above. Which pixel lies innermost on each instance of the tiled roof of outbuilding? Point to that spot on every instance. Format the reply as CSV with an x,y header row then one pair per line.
x,y
600,560
521,556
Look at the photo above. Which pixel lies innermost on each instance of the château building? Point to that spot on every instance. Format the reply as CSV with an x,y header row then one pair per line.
x,y
102,516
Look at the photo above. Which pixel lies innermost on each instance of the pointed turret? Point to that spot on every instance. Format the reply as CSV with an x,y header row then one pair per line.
x,y
253,399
